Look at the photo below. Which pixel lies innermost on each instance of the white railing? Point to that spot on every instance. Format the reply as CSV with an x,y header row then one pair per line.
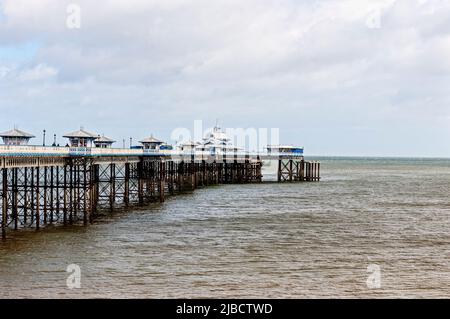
x,y
96,151
28,150
13,150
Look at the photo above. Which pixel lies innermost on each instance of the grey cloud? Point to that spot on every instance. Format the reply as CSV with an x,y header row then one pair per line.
x,y
314,69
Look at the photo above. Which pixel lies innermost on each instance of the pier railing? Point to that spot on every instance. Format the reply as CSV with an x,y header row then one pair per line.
x,y
29,150
42,151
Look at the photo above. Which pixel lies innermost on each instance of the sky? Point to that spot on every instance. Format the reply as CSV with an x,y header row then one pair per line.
x,y
347,77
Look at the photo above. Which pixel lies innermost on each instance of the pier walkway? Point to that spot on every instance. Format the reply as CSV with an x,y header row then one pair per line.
x,y
47,185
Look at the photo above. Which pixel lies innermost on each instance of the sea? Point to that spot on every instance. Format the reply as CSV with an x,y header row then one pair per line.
x,y
371,228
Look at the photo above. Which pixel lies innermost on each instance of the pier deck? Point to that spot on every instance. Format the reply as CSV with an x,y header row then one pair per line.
x,y
47,185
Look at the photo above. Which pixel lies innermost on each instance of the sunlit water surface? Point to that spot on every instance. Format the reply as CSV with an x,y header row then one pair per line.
x,y
268,240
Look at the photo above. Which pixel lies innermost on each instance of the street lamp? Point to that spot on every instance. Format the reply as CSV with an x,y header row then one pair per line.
x,y
43,139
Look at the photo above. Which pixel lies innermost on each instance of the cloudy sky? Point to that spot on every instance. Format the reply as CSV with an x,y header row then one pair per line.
x,y
350,77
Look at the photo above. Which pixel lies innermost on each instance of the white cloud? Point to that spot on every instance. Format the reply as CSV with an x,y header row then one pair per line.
x,y
4,71
39,72
253,62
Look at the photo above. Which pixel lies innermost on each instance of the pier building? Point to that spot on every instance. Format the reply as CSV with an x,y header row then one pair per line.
x,y
151,143
81,138
103,142
16,137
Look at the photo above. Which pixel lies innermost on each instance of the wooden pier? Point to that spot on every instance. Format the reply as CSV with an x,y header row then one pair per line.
x,y
48,185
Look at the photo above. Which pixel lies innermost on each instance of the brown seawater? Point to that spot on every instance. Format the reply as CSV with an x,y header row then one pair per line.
x,y
268,240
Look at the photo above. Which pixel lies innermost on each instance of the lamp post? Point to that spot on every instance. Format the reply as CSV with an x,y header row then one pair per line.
x,y
43,138
131,142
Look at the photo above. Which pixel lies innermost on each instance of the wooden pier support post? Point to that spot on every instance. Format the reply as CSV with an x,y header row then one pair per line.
x,y
224,170
25,195
32,193
192,172
195,170
180,176
52,195
318,171
162,184
92,191
126,195
234,170
291,170
38,198
169,177
78,188
280,163
248,171
258,169
57,193
85,195
308,171
65,172
153,181
140,174
216,167
304,167
173,177
45,194
71,193
297,171
204,173
112,186
4,201
15,212
302,170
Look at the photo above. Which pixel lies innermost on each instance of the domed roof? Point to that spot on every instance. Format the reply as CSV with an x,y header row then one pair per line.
x,y
81,133
151,139
103,139
16,133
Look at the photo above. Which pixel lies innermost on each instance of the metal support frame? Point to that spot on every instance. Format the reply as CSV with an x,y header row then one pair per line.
x,y
35,192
